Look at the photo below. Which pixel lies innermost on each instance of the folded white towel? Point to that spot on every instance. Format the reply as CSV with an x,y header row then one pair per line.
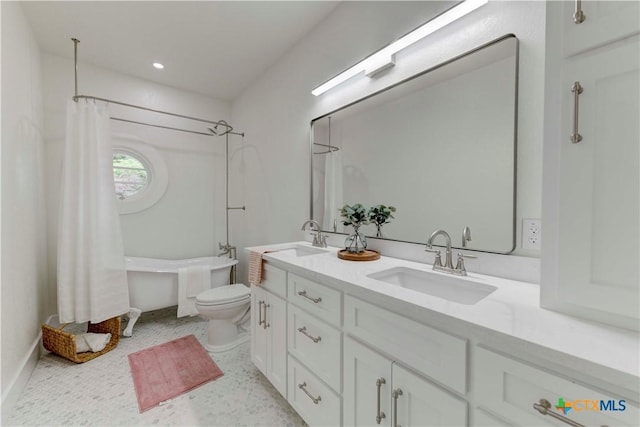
x,y
91,342
191,281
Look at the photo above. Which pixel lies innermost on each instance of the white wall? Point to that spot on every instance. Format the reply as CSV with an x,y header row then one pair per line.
x,y
25,296
189,220
273,163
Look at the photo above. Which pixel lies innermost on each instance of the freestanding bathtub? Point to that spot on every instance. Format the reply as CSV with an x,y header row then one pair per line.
x,y
153,282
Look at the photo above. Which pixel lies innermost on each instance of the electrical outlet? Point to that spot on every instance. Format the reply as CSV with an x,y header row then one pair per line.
x,y
531,234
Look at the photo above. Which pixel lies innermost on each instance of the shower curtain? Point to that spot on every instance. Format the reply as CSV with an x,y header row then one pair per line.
x,y
92,280
333,186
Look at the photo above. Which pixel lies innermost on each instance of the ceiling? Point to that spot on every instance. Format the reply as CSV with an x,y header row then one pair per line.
x,y
215,48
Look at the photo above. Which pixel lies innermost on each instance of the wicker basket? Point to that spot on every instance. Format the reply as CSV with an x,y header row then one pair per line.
x,y
64,343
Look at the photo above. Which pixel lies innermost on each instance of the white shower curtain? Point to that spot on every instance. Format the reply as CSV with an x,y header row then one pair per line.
x,y
333,185
92,280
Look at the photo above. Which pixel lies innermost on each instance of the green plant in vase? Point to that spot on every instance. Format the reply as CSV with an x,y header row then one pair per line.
x,y
380,215
356,216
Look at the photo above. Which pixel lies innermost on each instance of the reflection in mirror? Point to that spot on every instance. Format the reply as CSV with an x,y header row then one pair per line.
x,y
440,147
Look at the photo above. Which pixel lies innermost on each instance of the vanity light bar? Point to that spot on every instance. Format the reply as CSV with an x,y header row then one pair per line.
x,y
384,57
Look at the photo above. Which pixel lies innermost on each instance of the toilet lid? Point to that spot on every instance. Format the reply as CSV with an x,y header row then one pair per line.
x,y
224,294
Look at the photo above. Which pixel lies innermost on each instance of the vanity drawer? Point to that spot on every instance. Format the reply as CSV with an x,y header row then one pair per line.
x,y
274,280
321,406
440,356
316,344
315,298
510,388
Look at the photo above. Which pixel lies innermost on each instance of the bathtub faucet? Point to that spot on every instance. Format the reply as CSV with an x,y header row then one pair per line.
x,y
227,250
231,251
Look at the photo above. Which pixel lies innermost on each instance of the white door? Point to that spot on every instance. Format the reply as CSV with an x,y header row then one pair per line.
x,y
258,332
367,381
599,184
276,318
417,402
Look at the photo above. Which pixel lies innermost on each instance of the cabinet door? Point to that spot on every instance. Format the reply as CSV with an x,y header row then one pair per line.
x,y
598,227
604,21
258,332
276,315
363,368
420,403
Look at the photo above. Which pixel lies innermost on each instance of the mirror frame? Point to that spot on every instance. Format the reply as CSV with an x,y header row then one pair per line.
x,y
417,75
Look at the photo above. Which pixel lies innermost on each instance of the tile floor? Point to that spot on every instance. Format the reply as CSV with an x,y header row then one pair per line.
x,y
101,392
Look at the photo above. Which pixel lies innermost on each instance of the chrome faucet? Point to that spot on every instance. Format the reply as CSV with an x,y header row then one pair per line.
x,y
437,264
448,267
319,239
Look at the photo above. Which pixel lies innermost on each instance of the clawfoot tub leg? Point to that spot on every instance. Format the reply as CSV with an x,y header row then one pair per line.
x,y
134,315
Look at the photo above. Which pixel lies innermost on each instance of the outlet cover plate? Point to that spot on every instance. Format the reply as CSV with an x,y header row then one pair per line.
x,y
531,234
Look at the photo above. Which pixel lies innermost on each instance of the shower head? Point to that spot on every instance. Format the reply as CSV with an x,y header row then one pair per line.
x,y
226,130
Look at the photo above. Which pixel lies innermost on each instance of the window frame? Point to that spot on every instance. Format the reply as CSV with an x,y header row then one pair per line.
x,y
157,176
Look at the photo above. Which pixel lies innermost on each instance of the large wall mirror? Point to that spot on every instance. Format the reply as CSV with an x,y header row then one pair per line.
x,y
440,147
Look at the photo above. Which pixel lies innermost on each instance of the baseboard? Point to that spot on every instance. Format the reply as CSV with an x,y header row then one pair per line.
x,y
12,393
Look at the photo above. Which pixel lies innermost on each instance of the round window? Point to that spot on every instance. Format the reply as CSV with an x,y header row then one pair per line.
x,y
139,174
130,174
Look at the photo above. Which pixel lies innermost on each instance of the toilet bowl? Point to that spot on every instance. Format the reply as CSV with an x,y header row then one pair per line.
x,y
226,308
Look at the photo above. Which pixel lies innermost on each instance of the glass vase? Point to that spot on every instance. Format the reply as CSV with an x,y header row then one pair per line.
x,y
356,242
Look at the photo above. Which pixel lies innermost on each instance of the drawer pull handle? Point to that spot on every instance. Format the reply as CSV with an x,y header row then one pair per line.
x,y
315,400
380,415
260,319
544,407
265,325
395,394
304,294
576,89
303,331
578,15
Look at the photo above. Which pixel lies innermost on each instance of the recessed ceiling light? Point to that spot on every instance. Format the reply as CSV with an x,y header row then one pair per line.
x,y
158,65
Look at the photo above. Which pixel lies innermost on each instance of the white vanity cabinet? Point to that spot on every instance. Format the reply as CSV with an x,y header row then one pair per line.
x,y
380,391
269,327
401,352
591,180
510,388
346,354
315,350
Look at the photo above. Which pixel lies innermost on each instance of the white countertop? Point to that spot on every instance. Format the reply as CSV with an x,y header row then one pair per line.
x,y
513,309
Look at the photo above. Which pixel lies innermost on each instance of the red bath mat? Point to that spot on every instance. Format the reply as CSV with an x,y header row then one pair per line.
x,y
168,370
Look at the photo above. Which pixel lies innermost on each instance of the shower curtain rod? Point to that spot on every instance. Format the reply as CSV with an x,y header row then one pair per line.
x,y
76,97
331,148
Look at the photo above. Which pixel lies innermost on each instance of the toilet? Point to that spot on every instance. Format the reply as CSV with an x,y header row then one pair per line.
x,y
226,308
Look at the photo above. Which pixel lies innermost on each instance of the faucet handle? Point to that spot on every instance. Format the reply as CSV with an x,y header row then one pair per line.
x,y
463,255
438,260
460,269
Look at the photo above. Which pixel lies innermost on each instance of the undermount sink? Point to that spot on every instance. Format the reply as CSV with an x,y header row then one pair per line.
x,y
452,288
301,250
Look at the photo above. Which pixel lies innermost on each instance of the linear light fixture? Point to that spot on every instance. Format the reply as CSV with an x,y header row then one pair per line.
x,y
384,58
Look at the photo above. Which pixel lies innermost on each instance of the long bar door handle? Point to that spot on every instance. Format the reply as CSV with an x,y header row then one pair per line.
x,y
265,324
260,319
576,89
396,394
380,415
